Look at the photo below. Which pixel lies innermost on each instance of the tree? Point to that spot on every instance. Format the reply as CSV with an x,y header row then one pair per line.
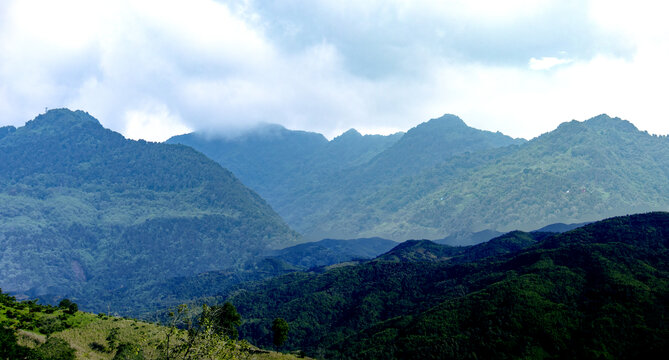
x,y
112,339
280,329
54,349
68,306
226,319
187,340
9,349
127,351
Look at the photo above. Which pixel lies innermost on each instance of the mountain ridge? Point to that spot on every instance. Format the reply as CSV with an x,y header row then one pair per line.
x,y
307,188
83,211
540,294
578,174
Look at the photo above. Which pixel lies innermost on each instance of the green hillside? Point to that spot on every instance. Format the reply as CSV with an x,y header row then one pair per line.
x,y
599,291
37,332
582,171
84,211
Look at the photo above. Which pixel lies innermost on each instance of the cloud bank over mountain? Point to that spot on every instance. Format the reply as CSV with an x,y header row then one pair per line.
x,y
154,69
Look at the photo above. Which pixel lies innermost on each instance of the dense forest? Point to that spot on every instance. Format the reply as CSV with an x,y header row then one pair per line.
x,y
599,291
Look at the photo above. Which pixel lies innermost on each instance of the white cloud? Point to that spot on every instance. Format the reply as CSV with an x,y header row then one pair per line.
x,y
153,122
547,62
152,69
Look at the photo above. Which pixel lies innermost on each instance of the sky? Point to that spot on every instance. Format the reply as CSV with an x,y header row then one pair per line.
x,y
157,68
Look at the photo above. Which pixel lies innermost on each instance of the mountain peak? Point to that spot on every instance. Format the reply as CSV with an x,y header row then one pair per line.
x,y
350,134
448,121
447,124
6,130
62,118
606,122
600,123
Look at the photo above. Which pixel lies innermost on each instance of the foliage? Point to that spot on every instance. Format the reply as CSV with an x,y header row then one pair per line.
x,y
128,351
280,330
53,349
9,348
112,339
68,306
202,339
225,320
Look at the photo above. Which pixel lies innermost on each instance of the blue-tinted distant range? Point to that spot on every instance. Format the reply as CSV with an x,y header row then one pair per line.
x,y
155,69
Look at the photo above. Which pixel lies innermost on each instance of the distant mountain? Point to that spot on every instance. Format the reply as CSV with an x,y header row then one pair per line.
x,y
84,211
599,290
262,158
464,238
306,178
561,227
443,180
577,173
420,251
331,251
431,143
430,251
279,163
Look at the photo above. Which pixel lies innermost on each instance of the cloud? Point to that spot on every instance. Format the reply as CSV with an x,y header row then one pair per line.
x,y
547,62
152,69
381,38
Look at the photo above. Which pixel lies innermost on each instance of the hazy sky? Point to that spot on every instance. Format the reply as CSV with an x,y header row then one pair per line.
x,y
152,69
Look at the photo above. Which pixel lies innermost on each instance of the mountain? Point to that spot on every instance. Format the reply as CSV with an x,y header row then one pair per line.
x,y
561,227
464,238
443,178
279,163
577,173
324,307
84,211
331,251
314,178
431,143
597,291
263,158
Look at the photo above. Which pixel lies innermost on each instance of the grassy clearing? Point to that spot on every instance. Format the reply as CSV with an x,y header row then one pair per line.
x,y
90,342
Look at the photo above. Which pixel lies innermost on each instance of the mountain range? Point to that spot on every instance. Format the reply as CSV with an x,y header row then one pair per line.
x,y
442,177
136,227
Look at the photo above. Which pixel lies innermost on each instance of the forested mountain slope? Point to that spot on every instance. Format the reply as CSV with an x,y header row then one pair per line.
x,y
84,211
597,291
306,178
443,178
580,172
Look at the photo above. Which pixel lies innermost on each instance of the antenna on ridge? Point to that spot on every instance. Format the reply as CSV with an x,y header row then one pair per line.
x,y
46,109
